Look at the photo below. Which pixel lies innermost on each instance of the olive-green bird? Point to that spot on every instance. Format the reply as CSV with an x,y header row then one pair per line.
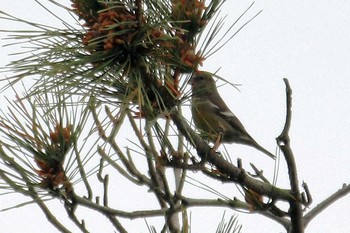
x,y
213,118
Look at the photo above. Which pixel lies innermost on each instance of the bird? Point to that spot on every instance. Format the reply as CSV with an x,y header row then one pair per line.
x,y
213,119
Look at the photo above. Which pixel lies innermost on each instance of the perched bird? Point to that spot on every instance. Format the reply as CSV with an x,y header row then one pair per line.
x,y
213,118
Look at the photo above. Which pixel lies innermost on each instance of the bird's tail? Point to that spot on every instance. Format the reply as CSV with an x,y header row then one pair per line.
x,y
262,149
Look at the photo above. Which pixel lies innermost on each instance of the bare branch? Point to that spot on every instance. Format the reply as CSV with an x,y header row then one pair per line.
x,y
82,172
117,224
75,220
235,204
283,141
124,214
52,219
345,190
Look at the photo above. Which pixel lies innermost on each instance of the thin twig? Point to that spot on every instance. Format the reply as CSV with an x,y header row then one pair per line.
x,y
82,172
105,190
150,153
345,190
124,214
75,220
141,179
52,219
283,141
117,224
180,174
308,200
110,140
259,173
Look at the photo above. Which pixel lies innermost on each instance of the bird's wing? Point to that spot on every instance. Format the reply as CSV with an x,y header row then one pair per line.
x,y
224,112
234,121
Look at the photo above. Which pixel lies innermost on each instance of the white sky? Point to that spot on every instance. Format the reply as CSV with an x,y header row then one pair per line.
x,y
307,42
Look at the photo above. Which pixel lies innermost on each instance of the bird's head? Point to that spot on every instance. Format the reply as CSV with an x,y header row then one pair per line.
x,y
202,83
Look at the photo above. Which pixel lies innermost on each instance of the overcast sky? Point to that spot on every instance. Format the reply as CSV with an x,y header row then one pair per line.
x,y
307,42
